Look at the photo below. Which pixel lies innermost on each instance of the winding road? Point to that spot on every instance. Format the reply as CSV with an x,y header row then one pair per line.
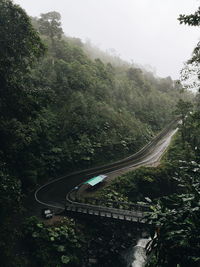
x,y
53,194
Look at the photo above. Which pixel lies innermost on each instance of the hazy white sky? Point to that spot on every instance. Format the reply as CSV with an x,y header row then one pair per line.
x,y
142,31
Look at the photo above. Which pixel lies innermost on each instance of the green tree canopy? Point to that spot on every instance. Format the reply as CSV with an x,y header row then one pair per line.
x,y
192,19
20,44
177,219
50,25
20,48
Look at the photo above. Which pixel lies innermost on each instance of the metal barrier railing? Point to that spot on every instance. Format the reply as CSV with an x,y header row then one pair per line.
x,y
140,210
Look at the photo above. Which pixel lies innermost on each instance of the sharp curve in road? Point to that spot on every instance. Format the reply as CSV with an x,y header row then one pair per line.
x,y
53,194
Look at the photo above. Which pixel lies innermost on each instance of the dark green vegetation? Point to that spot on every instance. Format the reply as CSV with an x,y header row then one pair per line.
x,y
177,216
173,189
63,110
55,245
177,220
76,242
146,182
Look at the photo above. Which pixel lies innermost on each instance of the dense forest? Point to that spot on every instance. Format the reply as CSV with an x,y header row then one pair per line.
x,y
172,190
64,106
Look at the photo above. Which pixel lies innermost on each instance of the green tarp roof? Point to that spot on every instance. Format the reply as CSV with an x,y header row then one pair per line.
x,y
96,180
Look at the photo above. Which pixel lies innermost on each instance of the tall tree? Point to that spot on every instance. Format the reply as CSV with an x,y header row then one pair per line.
x,y
177,216
20,47
182,109
177,219
50,25
20,44
192,68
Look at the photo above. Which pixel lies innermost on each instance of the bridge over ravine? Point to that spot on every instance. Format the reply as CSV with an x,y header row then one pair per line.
x,y
133,213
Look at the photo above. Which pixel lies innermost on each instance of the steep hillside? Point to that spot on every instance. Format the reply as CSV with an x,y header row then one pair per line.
x,y
97,111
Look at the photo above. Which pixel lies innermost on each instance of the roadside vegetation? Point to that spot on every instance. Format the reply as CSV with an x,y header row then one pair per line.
x,y
177,216
173,189
146,182
75,242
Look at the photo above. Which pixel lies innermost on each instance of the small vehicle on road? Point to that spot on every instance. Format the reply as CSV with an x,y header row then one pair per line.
x,y
47,213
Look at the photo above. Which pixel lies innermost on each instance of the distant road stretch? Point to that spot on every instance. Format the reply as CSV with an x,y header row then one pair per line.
x,y
53,194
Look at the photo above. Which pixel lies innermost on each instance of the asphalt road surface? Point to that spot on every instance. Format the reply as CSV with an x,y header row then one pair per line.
x,y
53,194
